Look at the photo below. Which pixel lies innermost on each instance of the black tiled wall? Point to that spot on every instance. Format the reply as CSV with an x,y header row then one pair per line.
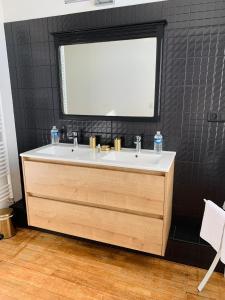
x,y
193,84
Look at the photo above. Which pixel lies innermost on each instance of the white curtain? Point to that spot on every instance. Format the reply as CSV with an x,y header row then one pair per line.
x,y
6,195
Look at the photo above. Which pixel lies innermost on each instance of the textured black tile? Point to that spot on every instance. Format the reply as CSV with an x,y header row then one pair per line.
x,y
23,55
34,77
43,137
56,99
148,142
53,53
39,30
39,98
40,54
21,32
30,139
39,119
188,232
54,24
31,118
54,77
172,231
19,117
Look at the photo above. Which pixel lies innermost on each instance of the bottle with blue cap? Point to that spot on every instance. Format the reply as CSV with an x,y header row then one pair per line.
x,y
158,142
54,135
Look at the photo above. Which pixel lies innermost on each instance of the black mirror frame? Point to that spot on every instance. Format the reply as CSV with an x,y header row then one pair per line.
x,y
125,32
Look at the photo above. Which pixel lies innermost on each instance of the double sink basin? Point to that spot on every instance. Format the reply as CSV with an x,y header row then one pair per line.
x,y
126,158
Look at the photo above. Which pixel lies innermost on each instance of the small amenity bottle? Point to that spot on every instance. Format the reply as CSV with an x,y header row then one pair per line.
x,y
54,135
158,141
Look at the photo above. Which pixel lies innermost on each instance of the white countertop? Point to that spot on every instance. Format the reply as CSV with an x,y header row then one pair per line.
x,y
126,158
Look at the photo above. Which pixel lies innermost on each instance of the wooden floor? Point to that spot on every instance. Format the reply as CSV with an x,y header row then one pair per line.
x,y
36,265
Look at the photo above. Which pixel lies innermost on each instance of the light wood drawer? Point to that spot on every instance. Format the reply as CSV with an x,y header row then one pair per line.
x,y
123,229
140,193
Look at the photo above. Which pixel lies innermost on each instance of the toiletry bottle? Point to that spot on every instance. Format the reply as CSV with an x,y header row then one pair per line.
x,y
54,135
117,144
92,142
158,141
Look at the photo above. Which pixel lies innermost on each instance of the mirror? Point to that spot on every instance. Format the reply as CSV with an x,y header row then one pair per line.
x,y
111,73
115,78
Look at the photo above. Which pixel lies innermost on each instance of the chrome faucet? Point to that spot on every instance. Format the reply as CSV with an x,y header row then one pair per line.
x,y
138,144
74,137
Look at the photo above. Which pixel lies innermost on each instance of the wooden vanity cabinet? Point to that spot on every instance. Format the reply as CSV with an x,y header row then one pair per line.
x,y
125,207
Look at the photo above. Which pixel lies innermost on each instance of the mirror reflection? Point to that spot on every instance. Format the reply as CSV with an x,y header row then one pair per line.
x,y
115,78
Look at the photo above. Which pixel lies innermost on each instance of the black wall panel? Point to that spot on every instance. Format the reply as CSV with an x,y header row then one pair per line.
x,y
193,84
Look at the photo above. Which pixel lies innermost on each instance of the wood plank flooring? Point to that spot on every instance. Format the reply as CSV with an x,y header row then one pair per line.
x,y
37,265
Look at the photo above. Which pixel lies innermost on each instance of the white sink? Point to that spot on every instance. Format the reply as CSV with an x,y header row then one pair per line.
x,y
55,150
62,150
134,158
126,158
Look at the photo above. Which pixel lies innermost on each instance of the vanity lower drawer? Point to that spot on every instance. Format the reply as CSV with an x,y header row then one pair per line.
x,y
123,229
113,189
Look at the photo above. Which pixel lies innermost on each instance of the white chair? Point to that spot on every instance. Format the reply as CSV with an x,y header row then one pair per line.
x,y
214,263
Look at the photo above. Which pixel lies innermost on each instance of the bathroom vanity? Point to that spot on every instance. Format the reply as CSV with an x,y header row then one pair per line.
x,y
121,198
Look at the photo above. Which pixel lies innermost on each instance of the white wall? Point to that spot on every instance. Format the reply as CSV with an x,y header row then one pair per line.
x,y
15,10
8,114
